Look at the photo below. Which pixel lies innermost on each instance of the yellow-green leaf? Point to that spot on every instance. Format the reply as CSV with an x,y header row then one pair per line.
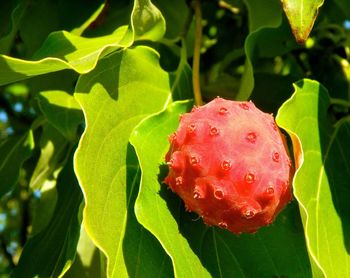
x,y
124,88
301,15
321,182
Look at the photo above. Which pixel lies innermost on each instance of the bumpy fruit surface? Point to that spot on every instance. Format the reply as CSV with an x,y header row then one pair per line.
x,y
228,162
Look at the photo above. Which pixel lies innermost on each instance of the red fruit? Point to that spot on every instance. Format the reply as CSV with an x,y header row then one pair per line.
x,y
228,162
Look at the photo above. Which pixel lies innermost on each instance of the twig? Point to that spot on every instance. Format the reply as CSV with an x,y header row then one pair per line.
x,y
196,5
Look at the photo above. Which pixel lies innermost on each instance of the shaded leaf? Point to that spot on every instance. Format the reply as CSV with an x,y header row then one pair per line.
x,y
87,263
17,14
301,15
263,14
43,206
51,252
321,180
271,91
269,36
116,13
344,5
13,152
62,111
77,23
196,249
181,79
64,80
54,151
124,88
63,50
182,83
175,16
50,16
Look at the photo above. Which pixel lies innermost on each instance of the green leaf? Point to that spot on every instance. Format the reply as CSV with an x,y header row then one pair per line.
x,y
196,249
181,79
263,14
271,90
301,15
63,50
147,22
43,207
97,12
181,251
16,17
269,37
116,13
43,17
175,16
62,111
181,83
124,88
51,252
87,263
321,180
344,5
13,152
53,155
6,8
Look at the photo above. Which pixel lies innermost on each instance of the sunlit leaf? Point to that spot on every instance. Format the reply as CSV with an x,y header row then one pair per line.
x,y
301,15
63,50
147,22
123,89
321,181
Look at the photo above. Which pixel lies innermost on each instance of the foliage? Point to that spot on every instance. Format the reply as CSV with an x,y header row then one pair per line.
x,y
90,91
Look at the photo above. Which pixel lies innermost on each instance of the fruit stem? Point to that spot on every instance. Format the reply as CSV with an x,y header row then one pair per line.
x,y
196,5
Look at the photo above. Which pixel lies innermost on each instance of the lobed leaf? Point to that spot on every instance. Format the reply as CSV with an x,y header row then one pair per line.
x,y
63,50
124,88
321,179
